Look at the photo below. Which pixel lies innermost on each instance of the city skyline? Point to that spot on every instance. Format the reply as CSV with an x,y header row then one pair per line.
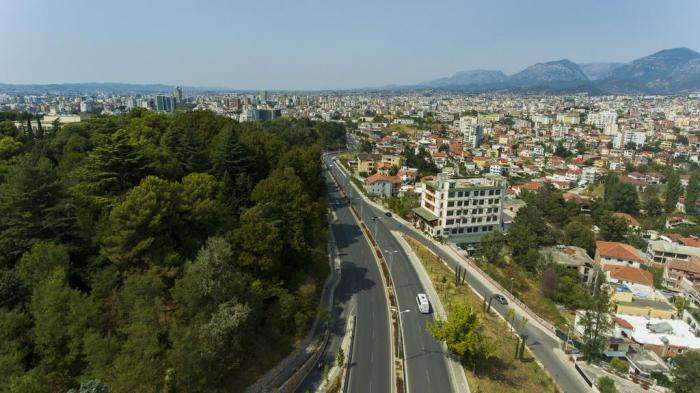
x,y
310,45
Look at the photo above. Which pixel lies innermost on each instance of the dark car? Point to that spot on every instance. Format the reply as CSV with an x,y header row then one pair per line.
x,y
501,299
388,214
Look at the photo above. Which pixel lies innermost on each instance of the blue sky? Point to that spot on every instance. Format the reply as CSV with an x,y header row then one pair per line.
x,y
314,44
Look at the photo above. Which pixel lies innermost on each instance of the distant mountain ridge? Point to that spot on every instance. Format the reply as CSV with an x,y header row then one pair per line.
x,y
471,77
670,71
600,70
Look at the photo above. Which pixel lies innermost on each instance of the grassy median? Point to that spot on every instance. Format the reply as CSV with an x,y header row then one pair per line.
x,y
504,373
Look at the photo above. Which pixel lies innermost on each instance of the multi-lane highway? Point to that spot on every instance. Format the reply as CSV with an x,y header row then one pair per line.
x,y
541,343
360,291
427,368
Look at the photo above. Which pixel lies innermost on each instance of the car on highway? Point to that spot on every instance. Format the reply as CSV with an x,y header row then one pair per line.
x,y
388,214
423,303
501,299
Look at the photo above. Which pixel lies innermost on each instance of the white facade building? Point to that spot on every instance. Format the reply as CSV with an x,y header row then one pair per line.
x,y
461,210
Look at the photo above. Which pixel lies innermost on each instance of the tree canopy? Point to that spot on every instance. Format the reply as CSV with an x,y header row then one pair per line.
x,y
150,252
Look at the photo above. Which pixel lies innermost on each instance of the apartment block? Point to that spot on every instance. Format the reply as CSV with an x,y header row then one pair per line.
x,y
461,210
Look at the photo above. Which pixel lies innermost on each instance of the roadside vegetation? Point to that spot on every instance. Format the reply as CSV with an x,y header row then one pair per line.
x,y
158,253
488,355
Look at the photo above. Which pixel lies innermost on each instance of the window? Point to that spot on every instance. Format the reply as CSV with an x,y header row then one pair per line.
x,y
495,210
498,192
490,192
482,193
449,212
450,204
469,230
450,222
466,193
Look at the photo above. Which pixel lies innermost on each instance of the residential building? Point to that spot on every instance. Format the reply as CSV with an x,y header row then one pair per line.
x,y
614,253
662,250
461,210
472,134
675,270
664,336
574,258
383,186
368,162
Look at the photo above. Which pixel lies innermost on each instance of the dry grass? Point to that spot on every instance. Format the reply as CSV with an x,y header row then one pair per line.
x,y
503,373
526,287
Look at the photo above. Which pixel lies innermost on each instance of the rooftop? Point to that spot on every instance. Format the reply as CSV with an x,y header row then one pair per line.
x,y
673,248
618,251
568,255
630,274
676,331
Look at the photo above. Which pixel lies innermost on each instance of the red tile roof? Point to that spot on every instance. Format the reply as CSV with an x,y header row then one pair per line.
x,y
630,274
379,177
618,251
623,324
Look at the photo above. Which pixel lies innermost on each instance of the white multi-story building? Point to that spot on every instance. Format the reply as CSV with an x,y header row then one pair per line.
x,y
461,210
472,133
602,119
621,139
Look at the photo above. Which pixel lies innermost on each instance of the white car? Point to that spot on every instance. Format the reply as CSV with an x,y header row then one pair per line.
x,y
423,303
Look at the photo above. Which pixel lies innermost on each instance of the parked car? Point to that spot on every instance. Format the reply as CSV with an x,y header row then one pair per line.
x,y
501,299
388,214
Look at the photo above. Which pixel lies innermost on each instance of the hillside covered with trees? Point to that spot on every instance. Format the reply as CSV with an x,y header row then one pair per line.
x,y
153,253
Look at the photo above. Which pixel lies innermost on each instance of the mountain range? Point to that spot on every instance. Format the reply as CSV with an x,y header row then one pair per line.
x,y
670,71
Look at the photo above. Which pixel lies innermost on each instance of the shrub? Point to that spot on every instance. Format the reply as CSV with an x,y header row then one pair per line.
x,y
606,385
620,366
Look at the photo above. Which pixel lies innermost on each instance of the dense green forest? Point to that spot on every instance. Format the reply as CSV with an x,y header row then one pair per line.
x,y
158,253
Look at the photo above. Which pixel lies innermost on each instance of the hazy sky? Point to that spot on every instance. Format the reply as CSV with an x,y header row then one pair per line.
x,y
310,44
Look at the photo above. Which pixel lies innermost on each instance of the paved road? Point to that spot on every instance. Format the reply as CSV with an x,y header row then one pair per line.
x,y
361,289
426,363
542,344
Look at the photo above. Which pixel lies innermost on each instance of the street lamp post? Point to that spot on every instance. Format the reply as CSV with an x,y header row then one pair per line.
x,y
511,286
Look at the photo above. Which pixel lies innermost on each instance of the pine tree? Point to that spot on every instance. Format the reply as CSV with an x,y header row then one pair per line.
x,y
673,191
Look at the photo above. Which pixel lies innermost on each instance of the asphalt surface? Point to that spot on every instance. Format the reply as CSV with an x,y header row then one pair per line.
x,y
426,363
360,290
540,343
